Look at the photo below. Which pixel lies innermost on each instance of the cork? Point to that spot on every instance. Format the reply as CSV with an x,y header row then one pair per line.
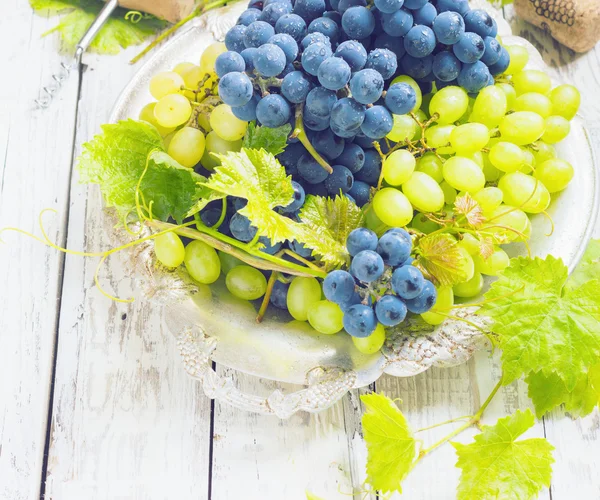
x,y
574,23
170,10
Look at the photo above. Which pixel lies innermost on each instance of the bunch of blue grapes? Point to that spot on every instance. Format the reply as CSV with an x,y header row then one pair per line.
x,y
380,268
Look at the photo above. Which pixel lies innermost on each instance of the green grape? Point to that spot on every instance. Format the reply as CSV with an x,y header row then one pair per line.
x,y
147,114
167,140
165,83
490,172
422,117
493,265
246,282
421,223
398,167
431,165
172,110
469,138
187,146
450,193
477,158
490,106
533,101
408,80
202,262
214,144
442,308
525,192
470,288
449,104
489,198
210,54
228,262
511,224
531,80
565,101
169,249
506,156
522,127
470,243
326,317
404,128
463,174
557,129
465,117
543,152
226,125
438,137
182,67
373,222
423,192
373,343
519,57
555,174
511,96
192,78
302,295
466,264
392,207
529,161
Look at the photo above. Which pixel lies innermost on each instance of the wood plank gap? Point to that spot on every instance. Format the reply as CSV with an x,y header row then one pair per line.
x,y
211,435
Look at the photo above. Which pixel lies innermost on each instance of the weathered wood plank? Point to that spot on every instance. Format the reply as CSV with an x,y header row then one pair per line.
x,y
35,156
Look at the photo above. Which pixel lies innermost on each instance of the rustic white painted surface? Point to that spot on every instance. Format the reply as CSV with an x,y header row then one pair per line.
x,y
125,422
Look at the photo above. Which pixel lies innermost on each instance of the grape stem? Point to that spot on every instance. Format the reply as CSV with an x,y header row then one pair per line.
x,y
264,84
300,134
265,303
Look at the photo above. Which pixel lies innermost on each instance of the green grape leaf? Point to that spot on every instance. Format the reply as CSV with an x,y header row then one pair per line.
x,y
438,255
589,266
117,33
496,465
391,446
116,160
272,140
312,496
328,223
541,324
471,210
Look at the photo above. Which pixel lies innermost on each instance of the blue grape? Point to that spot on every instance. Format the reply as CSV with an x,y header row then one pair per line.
x,y
314,38
392,43
378,122
248,17
491,80
361,239
228,62
316,189
502,64
367,266
419,41
424,301
248,56
494,32
313,56
338,286
400,98
287,44
235,89
363,141
425,15
352,157
269,60
269,247
238,203
272,12
480,22
446,67
361,192
359,320
383,61
334,15
234,39
449,27
289,157
247,112
341,131
273,111
211,215
358,22
353,53
293,25
371,169
407,282
388,6
366,86
354,300
493,51
320,102
350,198
326,26
257,4
344,5
266,3
347,114
469,48
299,197
309,9
300,249
310,170
390,310
241,228
417,67
395,247
328,144
397,24
295,87
334,73
289,68
279,295
460,6
314,122
257,34
474,77
340,180
414,4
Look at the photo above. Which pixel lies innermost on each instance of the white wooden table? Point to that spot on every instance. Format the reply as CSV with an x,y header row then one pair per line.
x,y
94,403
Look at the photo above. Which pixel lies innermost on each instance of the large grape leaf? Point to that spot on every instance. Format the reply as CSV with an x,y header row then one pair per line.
x,y
497,466
589,266
391,447
438,255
